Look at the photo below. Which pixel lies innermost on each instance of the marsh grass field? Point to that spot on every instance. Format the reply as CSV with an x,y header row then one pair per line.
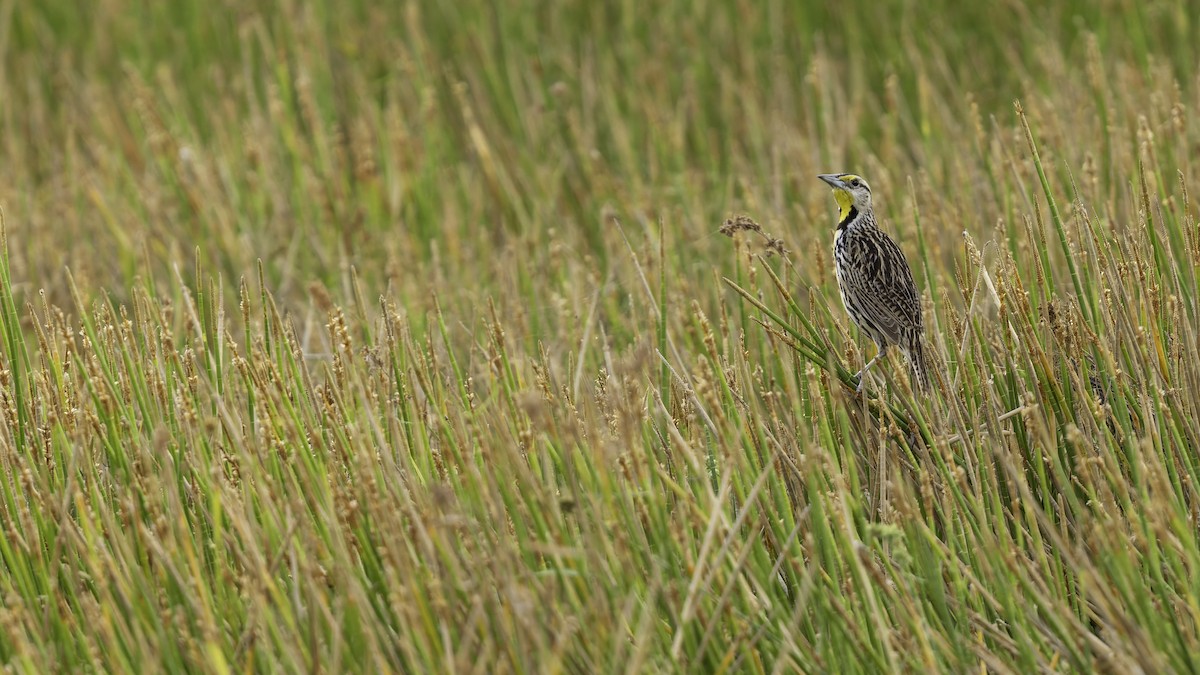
x,y
404,337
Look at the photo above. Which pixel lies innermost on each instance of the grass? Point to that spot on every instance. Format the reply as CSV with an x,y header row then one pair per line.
x,y
348,337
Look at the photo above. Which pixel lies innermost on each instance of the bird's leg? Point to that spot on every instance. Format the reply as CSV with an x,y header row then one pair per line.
x,y
862,374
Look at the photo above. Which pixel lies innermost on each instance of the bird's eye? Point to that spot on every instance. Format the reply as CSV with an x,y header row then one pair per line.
x,y
854,182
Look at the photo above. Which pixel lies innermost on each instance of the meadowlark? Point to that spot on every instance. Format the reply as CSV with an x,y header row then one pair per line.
x,y
874,278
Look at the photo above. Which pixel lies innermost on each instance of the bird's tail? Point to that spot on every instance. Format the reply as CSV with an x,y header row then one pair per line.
x,y
917,363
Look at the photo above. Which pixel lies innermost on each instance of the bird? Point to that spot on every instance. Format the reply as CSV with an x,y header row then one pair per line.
x,y
874,278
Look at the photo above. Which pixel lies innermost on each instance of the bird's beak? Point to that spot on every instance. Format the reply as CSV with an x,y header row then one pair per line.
x,y
833,180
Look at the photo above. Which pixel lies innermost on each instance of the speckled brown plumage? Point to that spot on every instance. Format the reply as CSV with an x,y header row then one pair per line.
x,y
874,279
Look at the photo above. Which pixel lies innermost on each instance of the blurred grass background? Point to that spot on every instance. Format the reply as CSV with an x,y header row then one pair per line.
x,y
313,135
393,336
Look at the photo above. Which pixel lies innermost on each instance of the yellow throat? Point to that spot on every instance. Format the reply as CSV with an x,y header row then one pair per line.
x,y
845,202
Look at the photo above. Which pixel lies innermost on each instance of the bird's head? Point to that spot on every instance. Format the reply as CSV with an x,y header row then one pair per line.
x,y
851,192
